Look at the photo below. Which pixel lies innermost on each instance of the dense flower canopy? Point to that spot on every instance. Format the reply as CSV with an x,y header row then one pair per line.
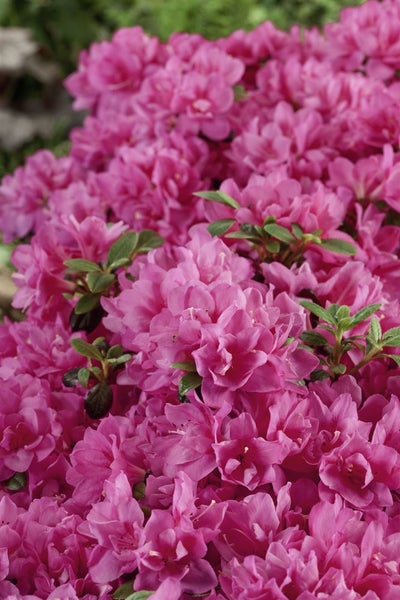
x,y
203,399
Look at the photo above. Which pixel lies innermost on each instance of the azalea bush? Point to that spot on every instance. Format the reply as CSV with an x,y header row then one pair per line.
x,y
203,398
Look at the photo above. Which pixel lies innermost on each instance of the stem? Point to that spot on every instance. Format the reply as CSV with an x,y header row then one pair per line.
x,y
367,358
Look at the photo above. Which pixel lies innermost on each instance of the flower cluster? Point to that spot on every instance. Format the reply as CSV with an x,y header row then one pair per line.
x,y
202,398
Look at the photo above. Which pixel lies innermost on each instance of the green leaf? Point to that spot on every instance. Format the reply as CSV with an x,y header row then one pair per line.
x,y
345,324
84,376
99,400
86,349
122,262
280,233
185,365
122,248
87,303
297,231
98,282
319,375
393,342
87,321
123,591
190,381
242,235
120,360
115,351
313,338
333,309
364,313
221,226
147,240
220,197
81,265
142,595
338,246
374,334
70,378
342,312
249,232
273,247
391,337
318,311
16,482
338,369
101,343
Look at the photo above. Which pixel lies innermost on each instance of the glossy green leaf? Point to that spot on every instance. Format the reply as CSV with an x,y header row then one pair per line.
x,y
86,321
99,282
280,233
190,381
221,226
122,262
147,240
318,311
87,303
122,248
220,197
338,246
86,349
99,400
81,265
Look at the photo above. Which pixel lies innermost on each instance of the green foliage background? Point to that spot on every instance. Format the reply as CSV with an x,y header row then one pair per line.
x,y
64,27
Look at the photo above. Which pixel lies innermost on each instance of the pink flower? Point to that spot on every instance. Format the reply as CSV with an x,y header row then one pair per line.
x,y
175,542
24,195
116,523
245,458
361,472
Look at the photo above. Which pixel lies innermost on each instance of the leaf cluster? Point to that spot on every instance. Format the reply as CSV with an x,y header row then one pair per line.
x,y
93,280
336,321
96,376
272,241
